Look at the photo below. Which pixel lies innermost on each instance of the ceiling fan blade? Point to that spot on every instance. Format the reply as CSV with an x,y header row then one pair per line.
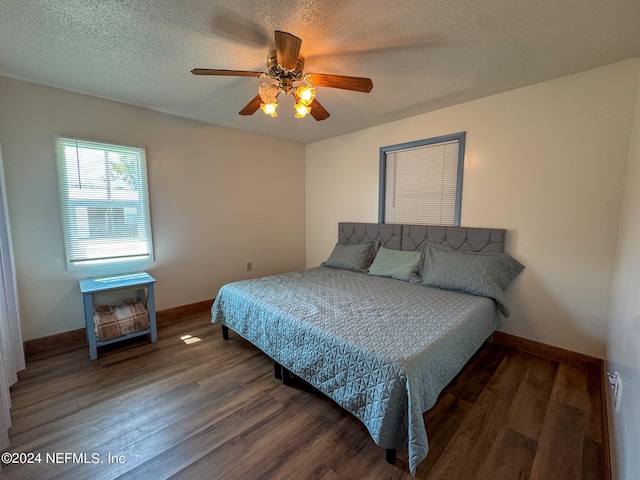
x,y
318,111
251,107
357,84
225,73
287,49
239,28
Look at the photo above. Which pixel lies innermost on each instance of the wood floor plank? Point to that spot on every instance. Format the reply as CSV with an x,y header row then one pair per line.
x,y
213,410
561,444
592,460
527,411
158,364
317,458
276,441
472,380
510,458
442,422
469,447
572,388
194,447
213,464
594,395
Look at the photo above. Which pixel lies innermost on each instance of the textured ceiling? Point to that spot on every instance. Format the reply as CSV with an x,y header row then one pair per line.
x,y
421,55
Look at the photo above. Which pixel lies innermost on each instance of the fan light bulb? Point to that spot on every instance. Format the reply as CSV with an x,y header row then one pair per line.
x,y
302,110
268,92
306,94
270,108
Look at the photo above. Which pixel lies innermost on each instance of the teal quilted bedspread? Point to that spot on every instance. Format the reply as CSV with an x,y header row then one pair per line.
x,y
381,348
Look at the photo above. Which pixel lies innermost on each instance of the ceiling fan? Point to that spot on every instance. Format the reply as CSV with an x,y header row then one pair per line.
x,y
285,65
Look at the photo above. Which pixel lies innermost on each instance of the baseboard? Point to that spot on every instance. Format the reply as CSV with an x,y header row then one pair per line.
x,y
66,340
171,315
77,338
556,354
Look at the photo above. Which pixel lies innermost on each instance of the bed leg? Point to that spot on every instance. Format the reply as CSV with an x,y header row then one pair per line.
x,y
277,370
286,376
225,332
390,455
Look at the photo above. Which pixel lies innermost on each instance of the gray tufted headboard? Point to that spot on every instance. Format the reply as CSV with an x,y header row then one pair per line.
x,y
412,237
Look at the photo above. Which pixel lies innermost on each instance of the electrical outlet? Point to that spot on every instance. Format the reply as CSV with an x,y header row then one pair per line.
x,y
617,392
249,266
615,380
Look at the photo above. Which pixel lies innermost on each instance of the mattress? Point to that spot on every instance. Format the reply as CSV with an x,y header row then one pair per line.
x,y
381,348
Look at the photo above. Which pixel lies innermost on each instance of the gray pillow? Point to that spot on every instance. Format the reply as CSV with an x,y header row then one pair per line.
x,y
352,257
398,264
480,273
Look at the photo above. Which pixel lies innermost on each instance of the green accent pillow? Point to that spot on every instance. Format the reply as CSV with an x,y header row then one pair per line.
x,y
478,273
352,257
398,264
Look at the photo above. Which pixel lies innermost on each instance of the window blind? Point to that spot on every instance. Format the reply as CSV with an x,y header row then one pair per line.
x,y
421,184
104,201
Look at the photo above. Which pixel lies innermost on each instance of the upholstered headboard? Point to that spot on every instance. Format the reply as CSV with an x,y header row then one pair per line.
x,y
412,237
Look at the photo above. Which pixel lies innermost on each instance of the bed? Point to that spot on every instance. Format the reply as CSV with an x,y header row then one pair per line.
x,y
383,348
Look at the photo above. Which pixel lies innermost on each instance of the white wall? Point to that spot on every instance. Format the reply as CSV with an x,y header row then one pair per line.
x,y
219,197
546,162
623,347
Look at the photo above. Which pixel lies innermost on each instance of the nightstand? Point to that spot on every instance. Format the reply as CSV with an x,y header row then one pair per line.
x,y
141,282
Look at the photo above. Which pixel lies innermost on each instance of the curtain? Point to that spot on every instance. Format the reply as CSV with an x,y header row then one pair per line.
x,y
11,350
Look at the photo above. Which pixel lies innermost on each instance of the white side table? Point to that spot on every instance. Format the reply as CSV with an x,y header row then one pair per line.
x,y
140,282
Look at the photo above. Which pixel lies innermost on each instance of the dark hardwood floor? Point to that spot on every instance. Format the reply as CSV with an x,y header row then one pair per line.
x,y
213,410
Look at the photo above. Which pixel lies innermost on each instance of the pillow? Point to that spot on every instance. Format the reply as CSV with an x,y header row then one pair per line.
x,y
479,273
398,264
352,257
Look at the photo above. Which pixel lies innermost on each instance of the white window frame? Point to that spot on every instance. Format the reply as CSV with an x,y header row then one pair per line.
x,y
386,152
106,220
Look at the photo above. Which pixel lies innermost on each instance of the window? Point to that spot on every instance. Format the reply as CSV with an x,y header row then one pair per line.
x,y
421,182
104,202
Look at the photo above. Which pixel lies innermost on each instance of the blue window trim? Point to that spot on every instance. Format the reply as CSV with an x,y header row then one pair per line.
x,y
460,137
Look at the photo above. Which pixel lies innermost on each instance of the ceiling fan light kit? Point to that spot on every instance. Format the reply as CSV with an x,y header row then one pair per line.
x,y
285,65
268,94
302,110
270,108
